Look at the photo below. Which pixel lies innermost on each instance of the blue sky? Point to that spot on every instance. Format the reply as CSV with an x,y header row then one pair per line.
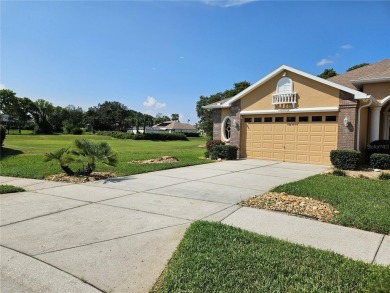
x,y
160,56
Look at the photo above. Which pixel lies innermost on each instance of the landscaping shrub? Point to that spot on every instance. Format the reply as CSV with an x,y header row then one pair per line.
x,y
380,161
338,172
77,131
228,152
211,143
160,136
345,159
384,176
192,134
3,134
207,154
116,134
377,147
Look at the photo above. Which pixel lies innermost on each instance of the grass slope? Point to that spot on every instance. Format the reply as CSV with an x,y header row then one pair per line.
x,y
362,203
22,155
213,257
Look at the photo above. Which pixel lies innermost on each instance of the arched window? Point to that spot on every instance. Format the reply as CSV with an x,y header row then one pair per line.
x,y
226,129
284,86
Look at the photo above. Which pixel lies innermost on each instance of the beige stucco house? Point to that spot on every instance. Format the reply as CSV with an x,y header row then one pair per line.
x,y
290,115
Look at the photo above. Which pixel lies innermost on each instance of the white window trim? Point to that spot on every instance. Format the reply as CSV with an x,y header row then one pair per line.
x,y
300,110
224,138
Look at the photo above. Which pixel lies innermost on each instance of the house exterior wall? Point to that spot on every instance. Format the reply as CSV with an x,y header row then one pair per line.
x,y
363,135
347,134
310,94
217,124
378,90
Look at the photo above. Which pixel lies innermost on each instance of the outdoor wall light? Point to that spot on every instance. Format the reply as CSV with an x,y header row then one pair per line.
x,y
346,121
235,123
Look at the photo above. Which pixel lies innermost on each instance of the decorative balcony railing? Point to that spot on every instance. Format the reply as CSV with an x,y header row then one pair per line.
x,y
280,99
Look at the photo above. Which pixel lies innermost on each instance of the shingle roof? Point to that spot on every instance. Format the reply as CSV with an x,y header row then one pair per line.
x,y
175,125
375,70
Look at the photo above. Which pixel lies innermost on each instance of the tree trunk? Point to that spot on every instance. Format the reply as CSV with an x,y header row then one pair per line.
x,y
67,170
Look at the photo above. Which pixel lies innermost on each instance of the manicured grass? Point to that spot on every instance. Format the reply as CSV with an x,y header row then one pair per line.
x,y
23,132
9,189
22,155
213,257
362,203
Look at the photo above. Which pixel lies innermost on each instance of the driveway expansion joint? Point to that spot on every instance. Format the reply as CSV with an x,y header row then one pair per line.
x,y
53,266
111,239
379,246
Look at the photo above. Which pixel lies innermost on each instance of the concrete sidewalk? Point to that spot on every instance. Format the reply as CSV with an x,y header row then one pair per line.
x,y
354,243
118,234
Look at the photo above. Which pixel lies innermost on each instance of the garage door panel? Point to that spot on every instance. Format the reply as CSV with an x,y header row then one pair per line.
x,y
309,142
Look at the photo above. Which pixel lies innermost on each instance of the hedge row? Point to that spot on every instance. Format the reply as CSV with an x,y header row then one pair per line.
x,y
351,160
144,136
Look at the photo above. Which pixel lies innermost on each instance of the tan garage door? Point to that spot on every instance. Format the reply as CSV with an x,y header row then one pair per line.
x,y
293,138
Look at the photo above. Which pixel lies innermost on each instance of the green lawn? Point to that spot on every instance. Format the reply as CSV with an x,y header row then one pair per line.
x,y
10,189
213,257
362,203
22,155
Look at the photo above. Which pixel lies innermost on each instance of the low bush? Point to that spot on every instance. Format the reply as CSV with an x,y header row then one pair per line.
x,y
160,136
211,143
380,161
206,154
228,152
377,147
384,176
3,134
192,134
345,159
338,172
77,131
116,134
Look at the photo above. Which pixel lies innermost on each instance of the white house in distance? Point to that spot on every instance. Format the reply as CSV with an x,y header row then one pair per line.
x,y
168,126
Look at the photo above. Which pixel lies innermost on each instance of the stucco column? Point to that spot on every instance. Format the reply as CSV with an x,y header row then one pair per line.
x,y
375,117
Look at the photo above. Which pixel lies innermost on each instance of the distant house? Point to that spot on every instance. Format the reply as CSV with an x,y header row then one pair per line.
x,y
291,115
167,126
175,126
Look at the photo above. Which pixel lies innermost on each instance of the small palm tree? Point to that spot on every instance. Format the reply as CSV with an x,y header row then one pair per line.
x,y
63,157
87,153
93,153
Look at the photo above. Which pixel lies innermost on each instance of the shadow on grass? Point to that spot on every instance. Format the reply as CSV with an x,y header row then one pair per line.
x,y
6,152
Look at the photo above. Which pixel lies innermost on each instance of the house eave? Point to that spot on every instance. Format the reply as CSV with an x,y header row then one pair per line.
x,y
360,82
358,95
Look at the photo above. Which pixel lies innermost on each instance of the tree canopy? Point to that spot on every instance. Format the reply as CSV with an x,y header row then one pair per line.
x,y
327,73
206,115
357,66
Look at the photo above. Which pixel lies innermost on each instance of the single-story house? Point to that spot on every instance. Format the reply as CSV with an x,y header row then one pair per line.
x,y
175,126
290,115
166,126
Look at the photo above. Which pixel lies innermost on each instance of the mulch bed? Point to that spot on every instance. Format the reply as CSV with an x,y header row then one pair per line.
x,y
81,179
164,159
363,174
295,205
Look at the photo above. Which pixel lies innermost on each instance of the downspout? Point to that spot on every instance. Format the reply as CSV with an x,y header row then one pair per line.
x,y
360,109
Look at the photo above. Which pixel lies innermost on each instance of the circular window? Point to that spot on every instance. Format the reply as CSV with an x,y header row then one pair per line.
x,y
226,129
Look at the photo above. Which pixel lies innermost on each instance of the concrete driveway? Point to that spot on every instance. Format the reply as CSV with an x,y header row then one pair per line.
x,y
117,235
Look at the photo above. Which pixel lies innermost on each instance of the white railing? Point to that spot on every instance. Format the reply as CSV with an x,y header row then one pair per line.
x,y
279,99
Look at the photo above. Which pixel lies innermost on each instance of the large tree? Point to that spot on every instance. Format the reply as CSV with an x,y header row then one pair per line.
x,y
205,115
41,111
175,117
107,116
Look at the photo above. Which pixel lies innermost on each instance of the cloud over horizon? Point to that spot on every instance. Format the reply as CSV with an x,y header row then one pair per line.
x,y
324,61
346,46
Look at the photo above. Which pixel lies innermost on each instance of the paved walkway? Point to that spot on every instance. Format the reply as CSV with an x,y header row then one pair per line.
x,y
117,235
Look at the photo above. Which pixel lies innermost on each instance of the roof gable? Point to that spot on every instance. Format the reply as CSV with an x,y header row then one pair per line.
x,y
227,103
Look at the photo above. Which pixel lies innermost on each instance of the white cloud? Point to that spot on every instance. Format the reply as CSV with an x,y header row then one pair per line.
x,y
150,102
324,61
227,3
160,105
2,86
181,57
346,46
